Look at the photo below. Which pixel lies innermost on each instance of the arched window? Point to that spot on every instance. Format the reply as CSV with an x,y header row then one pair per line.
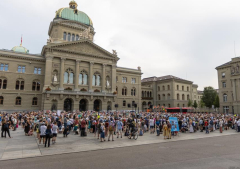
x,y
1,100
124,103
183,97
163,96
34,101
168,96
159,97
68,76
163,88
96,81
182,88
177,87
77,37
158,88
93,80
224,97
178,105
188,97
178,98
147,94
116,89
64,36
18,101
83,78
142,93
36,86
187,88
169,105
19,85
73,37
69,36
168,87
80,80
124,91
150,94
133,92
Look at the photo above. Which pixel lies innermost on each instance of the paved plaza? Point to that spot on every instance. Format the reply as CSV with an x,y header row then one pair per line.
x,y
21,146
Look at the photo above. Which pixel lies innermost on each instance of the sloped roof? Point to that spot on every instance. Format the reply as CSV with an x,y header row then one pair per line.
x,y
225,64
154,78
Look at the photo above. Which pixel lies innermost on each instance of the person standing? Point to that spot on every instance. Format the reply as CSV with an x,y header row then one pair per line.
x,y
165,129
238,124
151,121
48,135
111,130
102,130
169,130
220,125
119,128
206,126
83,126
43,129
54,131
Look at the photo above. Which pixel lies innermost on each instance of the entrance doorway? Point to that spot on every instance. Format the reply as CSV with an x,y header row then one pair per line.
x,y
97,104
68,105
83,105
109,106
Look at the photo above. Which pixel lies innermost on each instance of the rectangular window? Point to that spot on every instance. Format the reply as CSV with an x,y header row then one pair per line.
x,y
133,80
37,70
224,84
3,67
21,69
124,80
223,75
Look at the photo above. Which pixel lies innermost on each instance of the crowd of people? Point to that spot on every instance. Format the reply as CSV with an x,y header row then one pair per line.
x,y
109,125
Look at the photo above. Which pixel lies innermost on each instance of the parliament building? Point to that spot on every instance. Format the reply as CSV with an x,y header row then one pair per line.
x,y
74,73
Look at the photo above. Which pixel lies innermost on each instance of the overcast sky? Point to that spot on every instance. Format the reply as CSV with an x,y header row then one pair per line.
x,y
184,38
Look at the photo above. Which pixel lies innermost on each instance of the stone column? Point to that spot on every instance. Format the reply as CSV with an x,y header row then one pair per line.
x,y
48,72
62,73
103,77
76,76
114,78
90,76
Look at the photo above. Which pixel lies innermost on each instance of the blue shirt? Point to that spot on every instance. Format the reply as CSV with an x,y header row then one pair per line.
x,y
119,125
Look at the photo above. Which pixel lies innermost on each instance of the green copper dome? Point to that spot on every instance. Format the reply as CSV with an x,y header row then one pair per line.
x,y
20,49
74,15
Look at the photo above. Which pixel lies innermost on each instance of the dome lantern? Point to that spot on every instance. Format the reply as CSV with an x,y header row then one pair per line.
x,y
73,5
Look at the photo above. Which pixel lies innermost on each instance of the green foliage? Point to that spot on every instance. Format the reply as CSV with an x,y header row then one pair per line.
x,y
190,103
195,105
202,104
216,102
209,95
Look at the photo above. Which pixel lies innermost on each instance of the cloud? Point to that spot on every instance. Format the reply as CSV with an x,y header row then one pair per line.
x,y
183,38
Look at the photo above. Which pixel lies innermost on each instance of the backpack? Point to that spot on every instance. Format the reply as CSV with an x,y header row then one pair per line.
x,y
111,127
101,129
5,126
211,122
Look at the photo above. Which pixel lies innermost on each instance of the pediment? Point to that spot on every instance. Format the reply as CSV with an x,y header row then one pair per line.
x,y
83,47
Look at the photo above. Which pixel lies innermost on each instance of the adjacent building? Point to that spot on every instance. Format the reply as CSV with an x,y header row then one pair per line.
x,y
168,91
229,86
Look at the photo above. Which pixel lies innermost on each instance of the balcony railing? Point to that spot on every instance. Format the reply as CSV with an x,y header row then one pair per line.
x,y
147,98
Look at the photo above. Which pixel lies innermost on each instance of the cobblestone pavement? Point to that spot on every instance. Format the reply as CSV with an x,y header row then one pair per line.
x,y
21,146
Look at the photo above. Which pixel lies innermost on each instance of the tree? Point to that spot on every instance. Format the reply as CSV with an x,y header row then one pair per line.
x,y
195,105
190,103
209,95
201,105
216,102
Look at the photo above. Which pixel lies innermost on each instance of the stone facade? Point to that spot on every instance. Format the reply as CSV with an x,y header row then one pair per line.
x,y
76,73
229,86
168,91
